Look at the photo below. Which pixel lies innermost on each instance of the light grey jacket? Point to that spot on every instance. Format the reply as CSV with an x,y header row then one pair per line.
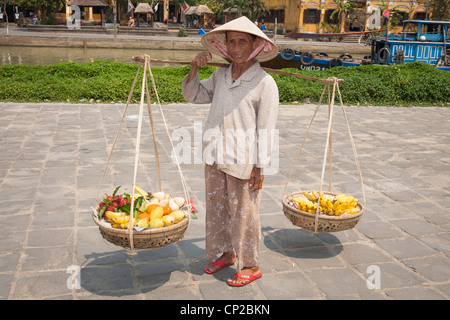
x,y
241,123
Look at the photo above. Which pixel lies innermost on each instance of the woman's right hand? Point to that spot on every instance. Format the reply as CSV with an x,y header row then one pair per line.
x,y
201,59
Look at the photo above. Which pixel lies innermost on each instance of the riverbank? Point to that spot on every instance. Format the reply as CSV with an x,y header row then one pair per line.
x,y
72,38
107,81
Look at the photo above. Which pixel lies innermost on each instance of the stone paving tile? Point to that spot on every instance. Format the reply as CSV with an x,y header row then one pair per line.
x,y
52,158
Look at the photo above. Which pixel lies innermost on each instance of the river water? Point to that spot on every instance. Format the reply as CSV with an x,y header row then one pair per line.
x,y
51,55
46,55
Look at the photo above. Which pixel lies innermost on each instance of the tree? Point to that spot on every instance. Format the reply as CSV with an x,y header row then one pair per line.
x,y
395,18
257,7
343,8
438,10
46,7
253,8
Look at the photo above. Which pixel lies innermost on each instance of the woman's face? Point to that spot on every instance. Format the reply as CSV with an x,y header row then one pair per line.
x,y
240,45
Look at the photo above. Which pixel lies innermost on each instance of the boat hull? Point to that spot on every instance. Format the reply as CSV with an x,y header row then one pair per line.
x,y
426,41
286,60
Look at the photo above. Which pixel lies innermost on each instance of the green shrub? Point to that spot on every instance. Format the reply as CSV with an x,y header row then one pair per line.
x,y
412,83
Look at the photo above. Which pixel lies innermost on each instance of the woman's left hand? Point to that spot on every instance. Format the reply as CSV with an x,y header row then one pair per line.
x,y
256,179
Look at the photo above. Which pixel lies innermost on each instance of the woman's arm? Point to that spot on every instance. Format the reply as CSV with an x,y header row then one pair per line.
x,y
200,60
194,90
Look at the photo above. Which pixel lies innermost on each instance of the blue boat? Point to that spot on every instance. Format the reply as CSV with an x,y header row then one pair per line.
x,y
420,40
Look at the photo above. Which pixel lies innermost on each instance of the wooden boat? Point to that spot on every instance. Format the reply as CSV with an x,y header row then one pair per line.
x,y
420,40
288,58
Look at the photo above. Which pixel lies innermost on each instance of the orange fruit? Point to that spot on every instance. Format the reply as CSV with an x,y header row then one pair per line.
x,y
151,207
167,210
144,215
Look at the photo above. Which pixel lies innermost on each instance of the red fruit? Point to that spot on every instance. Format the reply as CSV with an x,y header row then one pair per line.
x,y
115,204
101,204
110,208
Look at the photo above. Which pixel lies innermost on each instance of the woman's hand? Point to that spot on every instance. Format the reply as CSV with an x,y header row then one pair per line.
x,y
256,179
200,60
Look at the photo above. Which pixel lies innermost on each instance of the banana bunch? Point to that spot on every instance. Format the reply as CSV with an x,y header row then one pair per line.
x,y
118,219
344,204
313,195
330,205
305,204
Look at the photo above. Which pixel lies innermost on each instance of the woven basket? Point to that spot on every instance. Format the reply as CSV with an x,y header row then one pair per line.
x,y
326,223
145,239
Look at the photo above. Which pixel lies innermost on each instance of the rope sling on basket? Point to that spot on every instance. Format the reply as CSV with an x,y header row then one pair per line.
x,y
318,211
130,237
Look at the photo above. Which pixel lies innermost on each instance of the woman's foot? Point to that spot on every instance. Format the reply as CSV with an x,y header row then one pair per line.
x,y
227,259
244,277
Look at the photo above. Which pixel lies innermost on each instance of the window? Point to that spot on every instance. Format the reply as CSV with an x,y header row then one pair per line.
x,y
272,14
311,16
420,15
328,18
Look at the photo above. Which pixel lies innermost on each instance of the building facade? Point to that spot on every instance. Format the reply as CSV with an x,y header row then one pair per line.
x,y
316,15
164,10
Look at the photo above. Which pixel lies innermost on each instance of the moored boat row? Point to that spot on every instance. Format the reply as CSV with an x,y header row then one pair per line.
x,y
420,40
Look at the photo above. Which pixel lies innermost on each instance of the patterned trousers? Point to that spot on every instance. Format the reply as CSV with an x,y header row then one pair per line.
x,y
232,217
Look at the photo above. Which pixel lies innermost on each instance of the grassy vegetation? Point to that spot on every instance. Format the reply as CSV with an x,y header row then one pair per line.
x,y
106,81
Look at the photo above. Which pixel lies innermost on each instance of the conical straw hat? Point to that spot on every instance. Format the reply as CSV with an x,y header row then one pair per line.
x,y
214,40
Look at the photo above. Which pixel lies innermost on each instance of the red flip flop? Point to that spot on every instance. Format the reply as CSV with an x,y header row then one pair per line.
x,y
217,263
248,278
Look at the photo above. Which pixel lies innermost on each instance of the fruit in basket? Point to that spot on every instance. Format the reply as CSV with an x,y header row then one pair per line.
x,y
167,210
168,220
142,223
178,215
330,205
141,192
173,205
121,219
159,195
180,201
151,207
110,214
303,203
143,216
164,202
150,210
156,213
156,223
311,196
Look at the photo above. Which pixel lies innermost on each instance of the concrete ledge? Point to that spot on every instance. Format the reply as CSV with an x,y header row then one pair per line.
x,y
125,30
80,42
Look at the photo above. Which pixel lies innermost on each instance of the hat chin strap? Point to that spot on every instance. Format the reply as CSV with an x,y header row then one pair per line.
x,y
222,50
266,45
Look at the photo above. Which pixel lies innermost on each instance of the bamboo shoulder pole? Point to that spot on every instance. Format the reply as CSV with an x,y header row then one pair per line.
x,y
141,60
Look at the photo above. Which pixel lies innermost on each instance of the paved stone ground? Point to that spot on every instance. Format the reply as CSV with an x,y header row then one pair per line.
x,y
53,156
